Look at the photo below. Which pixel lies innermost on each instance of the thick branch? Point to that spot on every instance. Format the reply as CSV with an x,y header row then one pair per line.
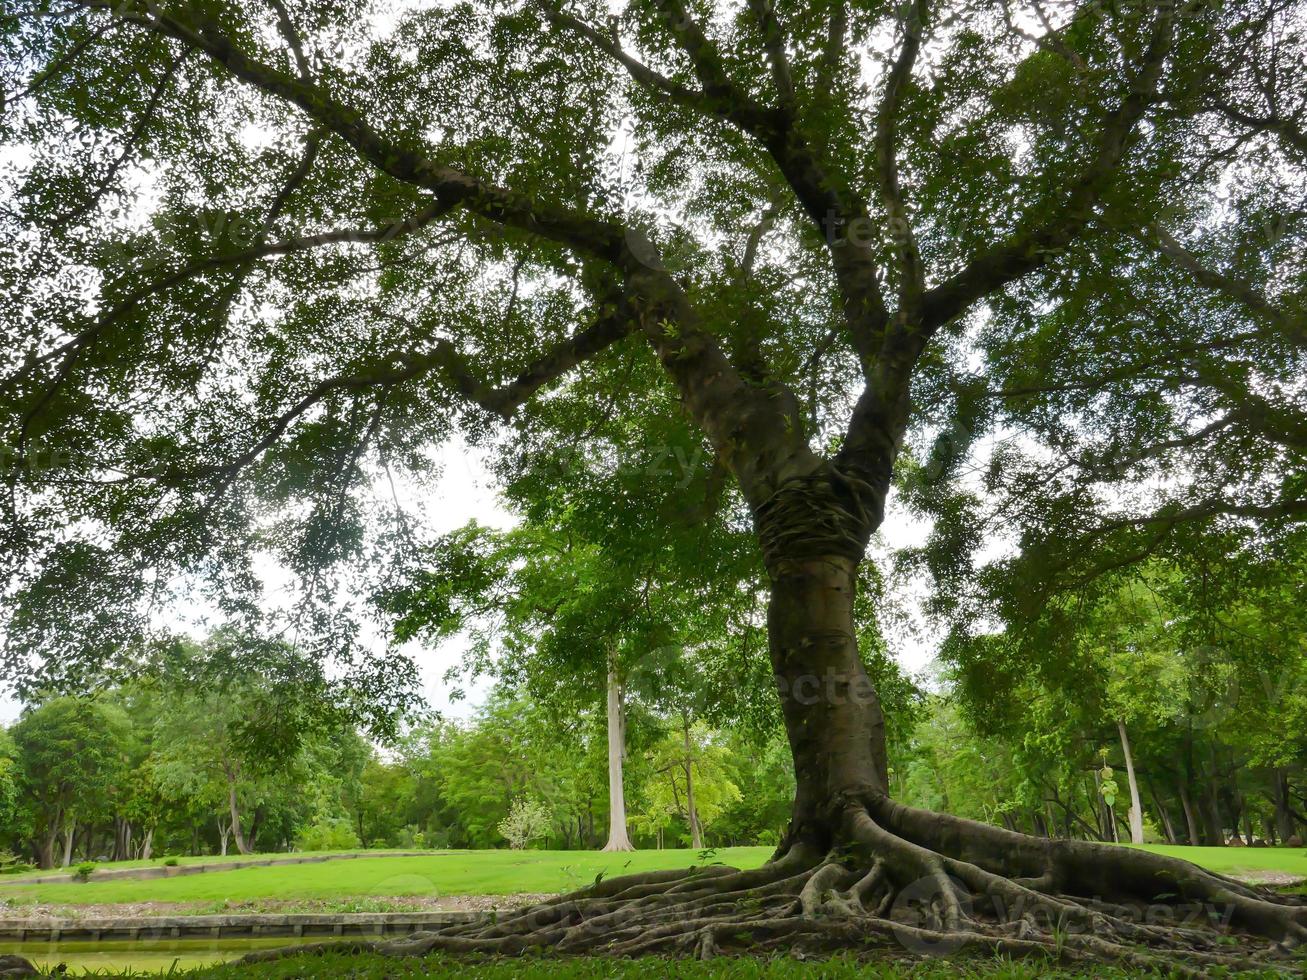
x,y
452,187
1031,248
831,207
911,275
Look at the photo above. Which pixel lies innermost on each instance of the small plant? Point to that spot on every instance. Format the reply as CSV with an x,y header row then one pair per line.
x,y
170,862
527,820
83,871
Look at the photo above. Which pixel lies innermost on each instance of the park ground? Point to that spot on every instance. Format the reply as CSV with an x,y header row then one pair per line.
x,y
426,880
479,880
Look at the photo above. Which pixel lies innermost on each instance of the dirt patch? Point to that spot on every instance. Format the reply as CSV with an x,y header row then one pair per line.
x,y
416,903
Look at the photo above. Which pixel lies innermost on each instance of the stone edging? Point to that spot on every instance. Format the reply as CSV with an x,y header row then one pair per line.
x,y
145,929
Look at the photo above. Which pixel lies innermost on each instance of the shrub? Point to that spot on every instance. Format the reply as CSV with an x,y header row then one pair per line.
x,y
328,834
10,865
83,871
170,862
527,820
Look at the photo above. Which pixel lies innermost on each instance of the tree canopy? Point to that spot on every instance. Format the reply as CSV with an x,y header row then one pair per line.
x,y
1034,269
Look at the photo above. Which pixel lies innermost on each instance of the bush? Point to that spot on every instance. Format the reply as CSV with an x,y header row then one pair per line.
x,y
328,834
170,862
83,871
527,820
10,865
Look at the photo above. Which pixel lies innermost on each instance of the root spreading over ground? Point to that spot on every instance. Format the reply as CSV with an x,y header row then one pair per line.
x,y
922,883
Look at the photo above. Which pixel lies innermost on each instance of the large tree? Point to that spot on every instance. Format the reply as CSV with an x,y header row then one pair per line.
x,y
261,252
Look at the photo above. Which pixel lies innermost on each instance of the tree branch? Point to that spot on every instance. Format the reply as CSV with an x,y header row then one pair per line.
x,y
831,208
1160,240
911,274
741,421
773,40
1027,250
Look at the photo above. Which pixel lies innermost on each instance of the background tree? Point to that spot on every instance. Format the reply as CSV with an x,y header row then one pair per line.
x,y
72,757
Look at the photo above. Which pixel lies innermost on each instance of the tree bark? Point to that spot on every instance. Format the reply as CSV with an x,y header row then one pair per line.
x,y
1213,825
70,831
617,836
1136,808
832,714
1168,828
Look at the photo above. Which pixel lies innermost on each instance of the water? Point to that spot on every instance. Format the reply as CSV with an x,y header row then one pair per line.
x,y
148,956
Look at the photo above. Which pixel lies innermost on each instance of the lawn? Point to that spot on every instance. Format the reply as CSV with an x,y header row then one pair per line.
x,y
234,858
373,967
438,873
487,873
1290,860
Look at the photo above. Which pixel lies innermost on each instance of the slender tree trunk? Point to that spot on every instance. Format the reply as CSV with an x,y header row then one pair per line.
x,y
1136,808
236,831
70,831
696,831
1210,810
147,845
1191,821
1163,813
224,832
617,836
256,825
1284,827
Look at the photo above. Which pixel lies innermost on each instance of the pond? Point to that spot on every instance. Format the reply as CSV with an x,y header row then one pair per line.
x,y
150,956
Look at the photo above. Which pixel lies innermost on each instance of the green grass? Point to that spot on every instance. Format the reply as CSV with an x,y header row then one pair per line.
x,y
484,873
1290,860
439,873
374,967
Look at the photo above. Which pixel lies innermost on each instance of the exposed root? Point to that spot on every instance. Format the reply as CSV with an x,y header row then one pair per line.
x,y
914,883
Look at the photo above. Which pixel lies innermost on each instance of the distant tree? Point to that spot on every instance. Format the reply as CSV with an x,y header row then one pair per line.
x,y
9,787
72,759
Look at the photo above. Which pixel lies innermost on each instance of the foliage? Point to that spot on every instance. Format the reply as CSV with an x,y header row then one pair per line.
x,y
527,821
328,834
84,869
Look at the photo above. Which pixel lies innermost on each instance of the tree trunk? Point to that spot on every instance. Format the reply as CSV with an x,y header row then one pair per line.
x,y
692,812
236,831
1163,813
70,831
832,714
147,845
1136,808
1191,821
1213,828
617,836
260,812
1284,827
